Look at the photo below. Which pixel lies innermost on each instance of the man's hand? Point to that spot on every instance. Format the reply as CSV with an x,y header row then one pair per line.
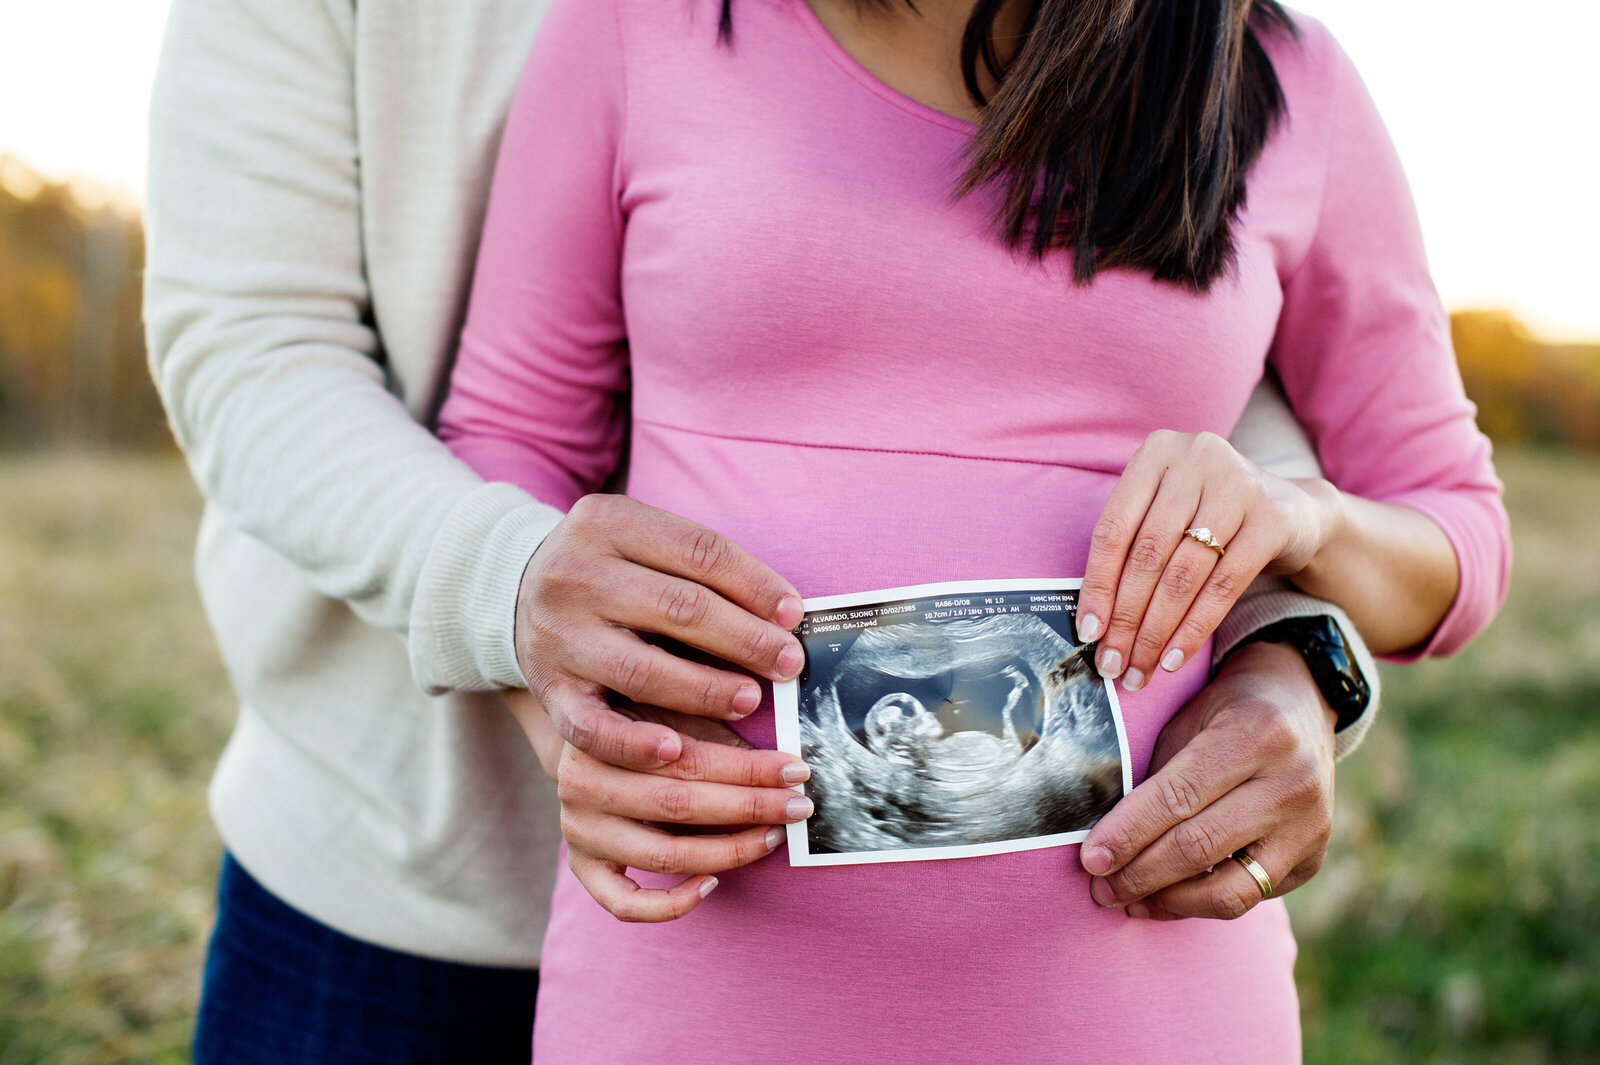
x,y
614,818
615,568
1248,763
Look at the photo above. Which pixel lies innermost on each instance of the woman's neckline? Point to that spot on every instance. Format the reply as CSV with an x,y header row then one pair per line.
x,y
865,78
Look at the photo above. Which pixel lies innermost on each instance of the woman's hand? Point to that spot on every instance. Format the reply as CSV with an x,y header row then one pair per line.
x,y
1164,592
1247,764
614,818
615,568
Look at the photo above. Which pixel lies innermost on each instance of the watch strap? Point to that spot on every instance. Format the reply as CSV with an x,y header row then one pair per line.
x,y
1271,599
1322,644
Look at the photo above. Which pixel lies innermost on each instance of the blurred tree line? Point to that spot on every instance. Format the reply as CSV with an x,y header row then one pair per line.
x,y
1527,390
72,361
72,365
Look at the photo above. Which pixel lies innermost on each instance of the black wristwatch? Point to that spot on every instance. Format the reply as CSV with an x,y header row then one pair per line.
x,y
1321,642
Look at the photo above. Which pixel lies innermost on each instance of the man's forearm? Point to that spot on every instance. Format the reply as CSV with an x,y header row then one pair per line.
x,y
263,350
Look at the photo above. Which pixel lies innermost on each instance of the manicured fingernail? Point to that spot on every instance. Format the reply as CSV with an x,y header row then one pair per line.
x,y
798,808
1172,661
747,699
790,659
1102,893
669,749
796,773
1139,910
1132,680
1097,860
1088,628
1110,663
774,837
707,886
790,611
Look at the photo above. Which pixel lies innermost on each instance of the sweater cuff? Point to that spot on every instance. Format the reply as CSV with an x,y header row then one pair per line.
x,y
1269,600
464,614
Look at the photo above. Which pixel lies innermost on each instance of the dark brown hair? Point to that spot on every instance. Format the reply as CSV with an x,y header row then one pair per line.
x,y
1121,131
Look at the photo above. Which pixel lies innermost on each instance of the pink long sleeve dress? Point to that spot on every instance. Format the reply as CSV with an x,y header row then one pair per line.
x,y
836,363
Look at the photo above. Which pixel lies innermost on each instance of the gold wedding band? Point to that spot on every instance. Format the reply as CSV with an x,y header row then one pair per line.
x,y
1203,537
1253,867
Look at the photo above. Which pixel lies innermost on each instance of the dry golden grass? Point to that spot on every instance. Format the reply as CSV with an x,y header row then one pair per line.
x,y
113,708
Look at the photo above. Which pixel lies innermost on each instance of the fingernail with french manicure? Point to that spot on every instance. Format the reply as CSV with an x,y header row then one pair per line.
x,y
1132,680
1102,893
774,837
1097,860
1172,661
1088,628
707,885
798,808
796,773
790,659
1110,664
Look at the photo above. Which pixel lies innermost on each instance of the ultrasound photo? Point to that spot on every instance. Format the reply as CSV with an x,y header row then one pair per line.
x,y
947,721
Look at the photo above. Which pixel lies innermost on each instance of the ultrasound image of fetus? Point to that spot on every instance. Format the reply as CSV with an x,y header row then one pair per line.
x,y
932,734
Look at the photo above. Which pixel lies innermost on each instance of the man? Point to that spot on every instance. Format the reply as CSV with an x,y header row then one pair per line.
x,y
318,175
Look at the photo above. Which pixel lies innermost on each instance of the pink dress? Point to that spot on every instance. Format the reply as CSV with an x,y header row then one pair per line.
x,y
836,363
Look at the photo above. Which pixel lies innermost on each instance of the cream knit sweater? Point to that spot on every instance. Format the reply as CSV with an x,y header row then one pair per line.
x,y
317,180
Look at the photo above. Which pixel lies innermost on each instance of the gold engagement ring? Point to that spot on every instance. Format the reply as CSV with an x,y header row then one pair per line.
x,y
1203,536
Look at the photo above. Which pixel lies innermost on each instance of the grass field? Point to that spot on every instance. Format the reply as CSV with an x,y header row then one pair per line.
x,y
1452,924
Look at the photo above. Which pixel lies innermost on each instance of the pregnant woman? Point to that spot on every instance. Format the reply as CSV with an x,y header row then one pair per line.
x,y
901,296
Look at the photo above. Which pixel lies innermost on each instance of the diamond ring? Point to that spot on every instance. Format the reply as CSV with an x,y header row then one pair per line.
x,y
1203,536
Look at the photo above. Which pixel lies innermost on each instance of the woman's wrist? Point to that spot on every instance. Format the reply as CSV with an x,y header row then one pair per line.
x,y
1389,566
1327,525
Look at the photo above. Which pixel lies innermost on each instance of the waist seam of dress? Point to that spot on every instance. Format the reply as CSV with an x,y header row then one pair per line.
x,y
820,446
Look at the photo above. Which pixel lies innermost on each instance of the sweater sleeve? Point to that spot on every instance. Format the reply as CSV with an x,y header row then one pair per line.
x,y
262,345
1363,349
535,395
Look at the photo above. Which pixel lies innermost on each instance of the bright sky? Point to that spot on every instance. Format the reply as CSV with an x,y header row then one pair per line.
x,y
1495,107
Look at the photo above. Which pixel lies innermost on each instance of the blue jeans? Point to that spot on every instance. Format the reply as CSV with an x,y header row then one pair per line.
x,y
283,989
